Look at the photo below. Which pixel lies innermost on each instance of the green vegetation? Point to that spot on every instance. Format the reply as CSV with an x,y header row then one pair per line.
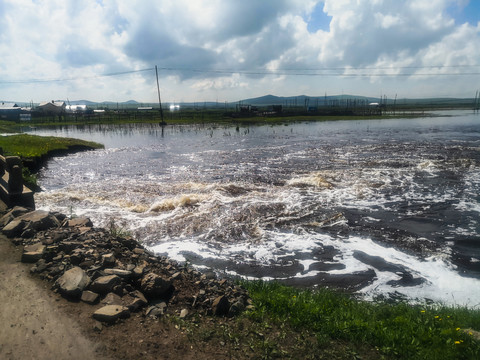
x,y
31,146
34,149
288,323
399,331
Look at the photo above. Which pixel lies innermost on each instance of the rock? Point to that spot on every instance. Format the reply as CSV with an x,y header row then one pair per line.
x,y
473,333
111,313
236,309
68,246
119,272
79,222
77,256
138,301
40,220
98,327
138,271
128,242
138,251
153,285
12,214
105,284
157,310
90,297
112,299
39,267
28,234
220,306
33,253
14,228
108,260
72,283
183,313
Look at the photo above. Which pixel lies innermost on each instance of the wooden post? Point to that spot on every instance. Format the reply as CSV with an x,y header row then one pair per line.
x,y
159,100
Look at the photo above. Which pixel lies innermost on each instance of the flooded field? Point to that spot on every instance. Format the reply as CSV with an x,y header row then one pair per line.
x,y
380,207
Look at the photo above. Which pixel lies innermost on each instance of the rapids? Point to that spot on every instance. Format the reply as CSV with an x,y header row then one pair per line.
x,y
381,207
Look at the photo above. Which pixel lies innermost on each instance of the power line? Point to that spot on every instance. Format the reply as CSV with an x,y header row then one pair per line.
x,y
320,72
311,72
32,81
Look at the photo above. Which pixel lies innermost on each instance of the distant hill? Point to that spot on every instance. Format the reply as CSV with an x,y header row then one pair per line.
x,y
301,100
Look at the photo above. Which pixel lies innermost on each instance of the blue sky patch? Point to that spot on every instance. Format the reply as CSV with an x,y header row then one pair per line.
x,y
318,20
469,13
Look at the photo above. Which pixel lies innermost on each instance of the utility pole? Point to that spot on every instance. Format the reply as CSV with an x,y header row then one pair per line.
x,y
159,100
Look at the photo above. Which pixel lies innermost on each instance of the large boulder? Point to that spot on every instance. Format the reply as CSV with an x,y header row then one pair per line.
x,y
40,220
12,214
105,284
33,253
14,228
72,283
155,286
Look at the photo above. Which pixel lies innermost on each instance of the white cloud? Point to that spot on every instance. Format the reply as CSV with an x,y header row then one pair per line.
x,y
60,39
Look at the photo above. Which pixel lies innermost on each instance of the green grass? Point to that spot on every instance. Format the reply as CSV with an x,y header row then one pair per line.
x,y
33,149
396,330
31,146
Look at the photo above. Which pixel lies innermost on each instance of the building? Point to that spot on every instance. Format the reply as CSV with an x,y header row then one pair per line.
x,y
9,111
52,108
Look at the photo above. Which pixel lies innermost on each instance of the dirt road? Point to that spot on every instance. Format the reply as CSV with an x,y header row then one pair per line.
x,y
33,322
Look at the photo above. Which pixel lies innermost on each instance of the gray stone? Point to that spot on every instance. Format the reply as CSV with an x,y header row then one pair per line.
x,y
138,301
68,246
138,271
153,285
14,228
157,310
72,283
119,272
183,313
90,297
79,222
111,313
33,253
108,260
112,299
12,214
236,308
40,220
105,284
221,306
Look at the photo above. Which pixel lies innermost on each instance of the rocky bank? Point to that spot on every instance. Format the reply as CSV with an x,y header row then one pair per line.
x,y
113,273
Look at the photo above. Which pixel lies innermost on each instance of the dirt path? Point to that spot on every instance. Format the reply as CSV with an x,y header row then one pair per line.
x,y
33,324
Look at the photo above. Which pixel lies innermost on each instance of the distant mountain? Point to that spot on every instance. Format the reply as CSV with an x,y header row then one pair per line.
x,y
301,100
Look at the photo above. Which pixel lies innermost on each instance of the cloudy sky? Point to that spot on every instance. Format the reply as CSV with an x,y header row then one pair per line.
x,y
228,50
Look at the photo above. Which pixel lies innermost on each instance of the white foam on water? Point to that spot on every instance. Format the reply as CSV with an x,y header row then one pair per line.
x,y
441,281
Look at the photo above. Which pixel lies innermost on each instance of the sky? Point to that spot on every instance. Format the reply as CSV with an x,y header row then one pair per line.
x,y
229,50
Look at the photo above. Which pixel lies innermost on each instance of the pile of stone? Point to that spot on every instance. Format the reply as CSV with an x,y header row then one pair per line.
x,y
115,274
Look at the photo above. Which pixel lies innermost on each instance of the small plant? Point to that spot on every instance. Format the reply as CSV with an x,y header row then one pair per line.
x,y
117,231
29,179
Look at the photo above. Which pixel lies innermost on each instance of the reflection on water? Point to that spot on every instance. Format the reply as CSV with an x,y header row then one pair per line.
x,y
377,206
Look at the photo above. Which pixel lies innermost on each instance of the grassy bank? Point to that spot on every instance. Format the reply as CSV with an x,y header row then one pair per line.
x,y
287,323
34,150
393,330
31,146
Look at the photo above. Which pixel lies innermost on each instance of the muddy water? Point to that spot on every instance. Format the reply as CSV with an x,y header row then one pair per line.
x,y
381,207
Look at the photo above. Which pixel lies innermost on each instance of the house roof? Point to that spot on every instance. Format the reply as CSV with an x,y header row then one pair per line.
x,y
4,105
55,103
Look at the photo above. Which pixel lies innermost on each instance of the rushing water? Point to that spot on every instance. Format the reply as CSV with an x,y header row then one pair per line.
x,y
382,207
